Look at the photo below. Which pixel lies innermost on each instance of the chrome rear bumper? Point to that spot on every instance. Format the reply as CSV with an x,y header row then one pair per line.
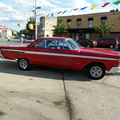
x,y
1,56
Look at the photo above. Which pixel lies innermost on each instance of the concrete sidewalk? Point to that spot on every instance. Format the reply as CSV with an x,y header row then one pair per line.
x,y
94,99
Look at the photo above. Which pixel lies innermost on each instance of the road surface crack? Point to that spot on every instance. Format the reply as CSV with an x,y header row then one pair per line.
x,y
68,102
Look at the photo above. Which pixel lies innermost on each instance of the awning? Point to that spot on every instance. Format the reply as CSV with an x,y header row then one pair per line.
x,y
81,30
2,27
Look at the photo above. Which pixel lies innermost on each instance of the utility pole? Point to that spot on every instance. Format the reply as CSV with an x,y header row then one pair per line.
x,y
35,19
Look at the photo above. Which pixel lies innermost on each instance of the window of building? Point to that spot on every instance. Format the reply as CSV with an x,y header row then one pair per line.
x,y
69,22
78,22
90,22
103,19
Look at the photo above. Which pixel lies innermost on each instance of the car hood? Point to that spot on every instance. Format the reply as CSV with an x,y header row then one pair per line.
x,y
98,52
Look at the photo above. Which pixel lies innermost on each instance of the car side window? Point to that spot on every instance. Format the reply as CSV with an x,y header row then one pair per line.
x,y
62,45
80,41
40,44
101,40
52,44
86,40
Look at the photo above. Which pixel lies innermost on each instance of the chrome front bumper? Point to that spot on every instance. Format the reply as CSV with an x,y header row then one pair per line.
x,y
115,69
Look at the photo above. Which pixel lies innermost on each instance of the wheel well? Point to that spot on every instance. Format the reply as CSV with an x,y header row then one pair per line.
x,y
112,44
95,63
22,58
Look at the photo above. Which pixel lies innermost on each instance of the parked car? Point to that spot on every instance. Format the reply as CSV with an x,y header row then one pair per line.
x,y
87,43
118,46
108,42
62,52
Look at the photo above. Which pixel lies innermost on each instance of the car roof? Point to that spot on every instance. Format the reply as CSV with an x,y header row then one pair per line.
x,y
61,38
53,38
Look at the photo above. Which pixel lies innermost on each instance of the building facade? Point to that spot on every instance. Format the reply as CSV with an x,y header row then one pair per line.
x,y
81,26
5,32
46,26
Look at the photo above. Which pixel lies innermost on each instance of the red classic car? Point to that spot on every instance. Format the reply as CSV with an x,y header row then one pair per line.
x,y
62,52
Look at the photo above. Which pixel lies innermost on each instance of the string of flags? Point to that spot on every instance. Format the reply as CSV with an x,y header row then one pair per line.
x,y
68,11
83,8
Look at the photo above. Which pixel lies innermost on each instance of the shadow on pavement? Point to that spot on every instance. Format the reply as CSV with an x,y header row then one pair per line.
x,y
11,67
2,113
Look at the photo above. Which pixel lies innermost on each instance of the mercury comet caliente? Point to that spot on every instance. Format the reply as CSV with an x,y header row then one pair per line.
x,y
62,52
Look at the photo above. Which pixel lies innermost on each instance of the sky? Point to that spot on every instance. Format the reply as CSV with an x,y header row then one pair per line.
x,y
14,12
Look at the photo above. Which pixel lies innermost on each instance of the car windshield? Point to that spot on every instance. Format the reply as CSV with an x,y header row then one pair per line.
x,y
73,44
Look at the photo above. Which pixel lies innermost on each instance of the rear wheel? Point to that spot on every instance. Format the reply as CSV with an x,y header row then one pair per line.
x,y
111,46
88,46
24,64
96,71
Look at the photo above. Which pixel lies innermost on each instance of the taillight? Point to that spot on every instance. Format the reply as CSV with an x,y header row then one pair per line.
x,y
95,43
117,42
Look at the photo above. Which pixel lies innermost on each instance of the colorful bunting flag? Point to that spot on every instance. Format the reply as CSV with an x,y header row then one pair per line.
x,y
52,14
70,11
59,12
75,9
93,7
47,15
83,8
105,4
64,11
117,2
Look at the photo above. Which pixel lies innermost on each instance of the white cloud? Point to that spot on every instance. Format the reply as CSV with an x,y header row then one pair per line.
x,y
3,18
72,3
47,6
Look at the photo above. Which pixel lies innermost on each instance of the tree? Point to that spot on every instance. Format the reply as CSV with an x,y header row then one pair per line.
x,y
60,29
25,32
30,27
31,21
104,29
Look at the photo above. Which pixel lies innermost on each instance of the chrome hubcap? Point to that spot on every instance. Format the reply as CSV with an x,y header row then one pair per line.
x,y
23,63
111,46
96,71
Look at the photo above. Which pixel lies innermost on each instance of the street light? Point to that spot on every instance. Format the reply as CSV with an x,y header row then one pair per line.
x,y
36,18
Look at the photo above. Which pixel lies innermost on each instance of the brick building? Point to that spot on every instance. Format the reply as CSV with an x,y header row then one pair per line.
x,y
80,26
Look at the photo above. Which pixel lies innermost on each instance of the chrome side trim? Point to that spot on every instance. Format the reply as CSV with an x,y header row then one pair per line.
x,y
58,54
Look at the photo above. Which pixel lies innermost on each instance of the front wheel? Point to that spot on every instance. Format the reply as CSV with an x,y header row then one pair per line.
x,y
24,64
96,71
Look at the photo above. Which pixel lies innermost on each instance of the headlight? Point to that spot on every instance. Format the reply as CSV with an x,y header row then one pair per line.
x,y
118,59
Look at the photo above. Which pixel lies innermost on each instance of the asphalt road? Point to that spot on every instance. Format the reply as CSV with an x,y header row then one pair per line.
x,y
45,93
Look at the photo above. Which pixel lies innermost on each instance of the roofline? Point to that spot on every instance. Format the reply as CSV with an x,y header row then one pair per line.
x,y
89,14
53,38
